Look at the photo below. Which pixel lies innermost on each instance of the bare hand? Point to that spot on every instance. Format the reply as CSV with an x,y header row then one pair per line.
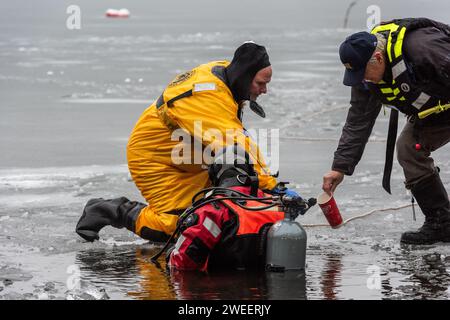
x,y
331,180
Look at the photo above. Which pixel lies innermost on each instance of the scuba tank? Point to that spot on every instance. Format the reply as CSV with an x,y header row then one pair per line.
x,y
286,246
286,239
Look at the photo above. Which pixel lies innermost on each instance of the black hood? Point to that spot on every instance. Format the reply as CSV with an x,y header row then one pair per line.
x,y
248,59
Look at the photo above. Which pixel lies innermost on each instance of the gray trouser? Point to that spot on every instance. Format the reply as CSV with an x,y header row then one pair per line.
x,y
418,164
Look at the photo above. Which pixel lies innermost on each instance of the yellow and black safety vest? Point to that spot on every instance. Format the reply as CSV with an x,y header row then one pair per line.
x,y
401,93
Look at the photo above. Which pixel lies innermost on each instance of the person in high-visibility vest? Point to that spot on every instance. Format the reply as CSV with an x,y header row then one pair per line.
x,y
198,106
405,64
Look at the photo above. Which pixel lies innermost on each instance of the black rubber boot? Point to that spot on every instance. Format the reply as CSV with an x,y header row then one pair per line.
x,y
98,213
432,198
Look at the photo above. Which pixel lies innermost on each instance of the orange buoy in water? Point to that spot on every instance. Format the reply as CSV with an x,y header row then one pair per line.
x,y
113,13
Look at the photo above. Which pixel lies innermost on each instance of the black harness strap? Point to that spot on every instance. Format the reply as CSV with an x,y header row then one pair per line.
x,y
160,101
390,147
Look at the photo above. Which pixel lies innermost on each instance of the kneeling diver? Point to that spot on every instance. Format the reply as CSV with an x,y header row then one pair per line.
x,y
208,98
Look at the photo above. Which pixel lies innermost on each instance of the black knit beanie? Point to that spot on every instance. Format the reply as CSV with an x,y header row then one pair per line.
x,y
248,59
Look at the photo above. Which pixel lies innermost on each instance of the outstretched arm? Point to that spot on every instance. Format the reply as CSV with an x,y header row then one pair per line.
x,y
361,117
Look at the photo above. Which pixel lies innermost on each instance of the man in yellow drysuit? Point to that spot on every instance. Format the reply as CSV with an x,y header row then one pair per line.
x,y
204,104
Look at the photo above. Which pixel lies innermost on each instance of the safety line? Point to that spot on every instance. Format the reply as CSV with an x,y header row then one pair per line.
x,y
326,139
358,216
